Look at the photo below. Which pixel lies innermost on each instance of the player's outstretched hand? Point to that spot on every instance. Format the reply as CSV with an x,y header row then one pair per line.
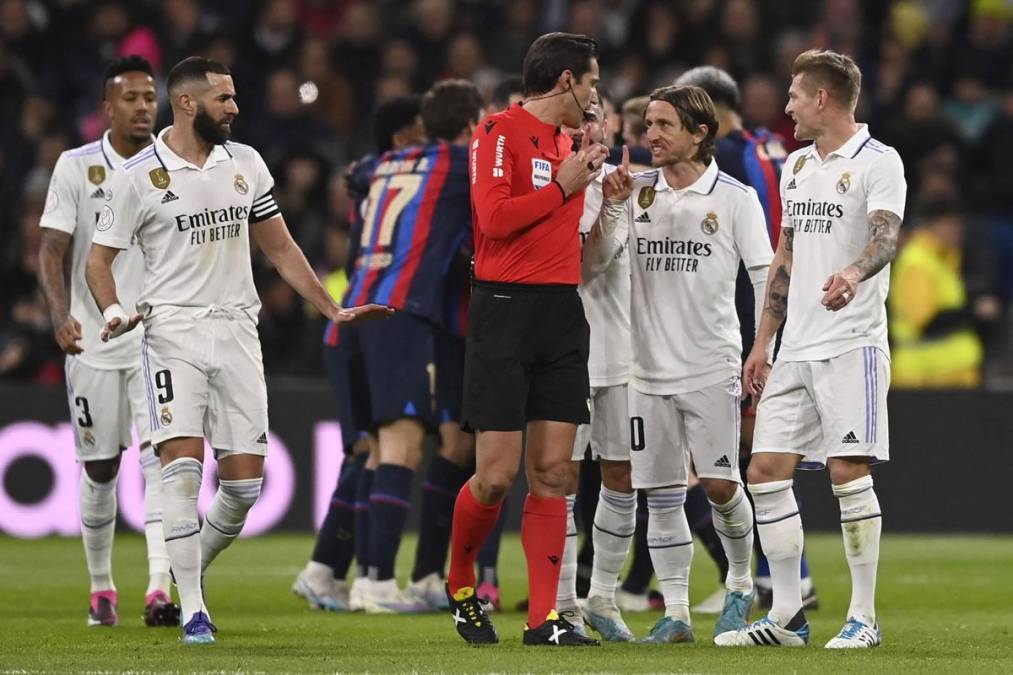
x,y
840,289
118,325
754,373
362,313
618,185
67,335
581,167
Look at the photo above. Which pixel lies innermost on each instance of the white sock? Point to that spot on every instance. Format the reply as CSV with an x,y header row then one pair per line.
x,y
780,530
615,520
733,522
225,519
181,479
158,556
861,524
671,546
98,524
566,592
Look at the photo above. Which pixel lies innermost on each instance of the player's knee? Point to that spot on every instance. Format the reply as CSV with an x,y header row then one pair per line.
x,y
845,470
102,471
762,470
719,491
491,487
552,477
616,476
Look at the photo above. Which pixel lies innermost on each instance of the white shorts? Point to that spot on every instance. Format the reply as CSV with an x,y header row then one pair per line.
x,y
205,378
608,432
103,403
831,408
668,431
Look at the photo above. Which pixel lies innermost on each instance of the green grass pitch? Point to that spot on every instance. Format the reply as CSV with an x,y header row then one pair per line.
x,y
945,605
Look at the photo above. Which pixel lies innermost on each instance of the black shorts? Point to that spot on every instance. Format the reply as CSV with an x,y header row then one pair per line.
x,y
525,358
449,375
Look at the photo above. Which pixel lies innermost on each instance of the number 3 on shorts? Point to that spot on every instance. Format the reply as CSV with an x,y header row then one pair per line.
x,y
163,380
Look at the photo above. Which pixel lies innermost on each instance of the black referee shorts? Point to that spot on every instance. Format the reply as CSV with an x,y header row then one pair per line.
x,y
525,357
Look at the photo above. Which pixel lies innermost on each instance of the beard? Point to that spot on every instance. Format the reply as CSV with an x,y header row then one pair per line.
x,y
209,129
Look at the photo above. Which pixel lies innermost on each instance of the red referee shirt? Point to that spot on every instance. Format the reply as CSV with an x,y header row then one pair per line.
x,y
524,231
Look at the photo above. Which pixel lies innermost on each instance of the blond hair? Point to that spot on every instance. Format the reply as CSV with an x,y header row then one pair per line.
x,y
837,73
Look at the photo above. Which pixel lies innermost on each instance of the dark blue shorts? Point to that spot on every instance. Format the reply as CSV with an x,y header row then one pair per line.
x,y
449,375
346,373
399,355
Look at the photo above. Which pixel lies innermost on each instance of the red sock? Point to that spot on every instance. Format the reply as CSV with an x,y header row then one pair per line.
x,y
543,534
473,521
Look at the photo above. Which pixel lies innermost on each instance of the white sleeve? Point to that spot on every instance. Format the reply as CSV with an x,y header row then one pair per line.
x,y
758,277
264,205
607,237
60,212
750,231
885,186
120,217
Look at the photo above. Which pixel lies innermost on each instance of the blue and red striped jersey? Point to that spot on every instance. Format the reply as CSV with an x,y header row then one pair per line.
x,y
457,291
416,218
756,159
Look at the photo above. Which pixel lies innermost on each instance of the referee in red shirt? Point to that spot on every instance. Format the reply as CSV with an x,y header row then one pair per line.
x,y
527,343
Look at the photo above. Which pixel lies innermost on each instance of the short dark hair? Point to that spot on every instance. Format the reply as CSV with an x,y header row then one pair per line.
x,y
124,64
718,84
507,87
448,107
193,68
551,54
694,108
392,116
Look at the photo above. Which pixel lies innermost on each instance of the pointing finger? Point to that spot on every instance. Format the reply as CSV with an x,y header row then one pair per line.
x,y
626,158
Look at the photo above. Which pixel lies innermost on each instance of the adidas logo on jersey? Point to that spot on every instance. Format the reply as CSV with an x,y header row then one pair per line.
x,y
98,194
642,218
791,185
169,197
850,438
723,462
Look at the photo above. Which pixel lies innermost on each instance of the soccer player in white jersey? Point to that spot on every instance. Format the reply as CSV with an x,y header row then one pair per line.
x,y
825,400
605,292
192,200
689,225
104,383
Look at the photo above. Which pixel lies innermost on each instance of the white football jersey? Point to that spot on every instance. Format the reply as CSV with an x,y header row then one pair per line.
x,y
84,180
685,247
192,223
827,203
606,303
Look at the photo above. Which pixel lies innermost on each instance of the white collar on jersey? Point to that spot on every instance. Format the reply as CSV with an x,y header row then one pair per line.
x,y
113,159
851,147
703,185
171,161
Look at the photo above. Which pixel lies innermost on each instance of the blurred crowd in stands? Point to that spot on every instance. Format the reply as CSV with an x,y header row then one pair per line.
x,y
938,86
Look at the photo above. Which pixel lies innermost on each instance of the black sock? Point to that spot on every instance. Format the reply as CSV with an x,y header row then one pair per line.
x,y
701,523
362,490
641,569
488,556
388,510
336,540
439,491
587,503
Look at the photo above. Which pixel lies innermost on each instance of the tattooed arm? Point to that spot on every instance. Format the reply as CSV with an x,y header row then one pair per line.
x,y
841,287
775,309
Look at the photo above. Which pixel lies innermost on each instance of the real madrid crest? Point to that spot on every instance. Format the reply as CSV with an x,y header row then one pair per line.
x,y
646,196
844,183
799,163
240,184
709,225
96,173
165,415
159,178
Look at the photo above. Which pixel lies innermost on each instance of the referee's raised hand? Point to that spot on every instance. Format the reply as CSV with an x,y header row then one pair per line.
x,y
581,167
618,185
